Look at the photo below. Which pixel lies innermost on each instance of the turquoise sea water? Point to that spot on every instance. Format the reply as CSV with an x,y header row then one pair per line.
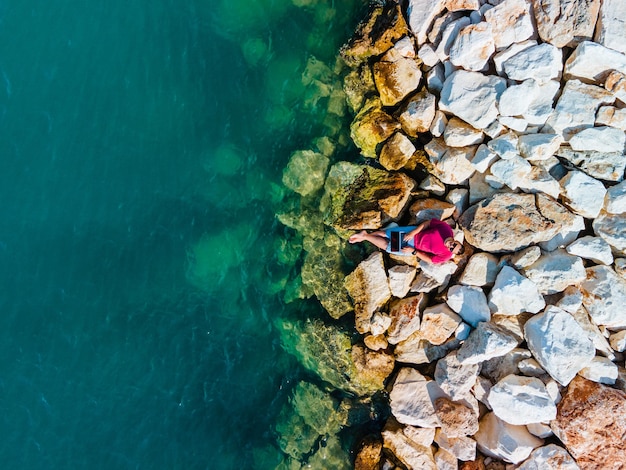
x,y
142,146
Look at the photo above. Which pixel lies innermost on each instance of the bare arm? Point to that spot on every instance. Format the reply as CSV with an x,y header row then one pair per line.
x,y
410,235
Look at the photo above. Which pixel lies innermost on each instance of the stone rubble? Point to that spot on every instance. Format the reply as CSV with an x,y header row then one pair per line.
x,y
507,118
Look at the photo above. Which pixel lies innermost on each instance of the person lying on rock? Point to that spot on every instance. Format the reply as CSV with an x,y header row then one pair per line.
x,y
431,241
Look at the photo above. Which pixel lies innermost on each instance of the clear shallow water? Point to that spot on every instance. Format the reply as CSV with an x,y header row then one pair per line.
x,y
142,148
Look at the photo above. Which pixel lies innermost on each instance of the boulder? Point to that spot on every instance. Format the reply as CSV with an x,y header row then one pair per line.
x,y
565,22
615,199
572,300
396,152
371,127
600,139
369,454
593,331
372,367
473,47
616,84
509,442
382,28
396,77
455,166
505,145
445,460
454,378
583,194
521,400
511,22
607,166
524,258
612,228
412,397
485,342
595,249
540,108
463,448
512,172
550,457
430,208
369,289
416,350
481,270
400,280
591,423
418,113
604,297
508,222
611,116
470,303
558,343
456,419
541,63
576,108
610,28
593,62
306,171
460,134
376,342
499,367
438,323
359,197
516,99
618,341
555,271
448,36
502,55
539,147
409,452
421,14
483,158
601,370
472,97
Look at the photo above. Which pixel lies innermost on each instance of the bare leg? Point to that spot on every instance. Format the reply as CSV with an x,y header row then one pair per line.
x,y
378,239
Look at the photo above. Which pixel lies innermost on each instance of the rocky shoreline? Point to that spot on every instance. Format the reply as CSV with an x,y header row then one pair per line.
x,y
506,118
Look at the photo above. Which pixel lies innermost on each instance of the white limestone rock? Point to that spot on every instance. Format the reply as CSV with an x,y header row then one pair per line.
x,y
593,62
400,279
516,124
565,22
470,303
521,400
612,117
481,270
615,199
505,145
617,340
572,299
508,442
600,139
416,350
610,30
405,318
369,289
499,367
604,297
396,152
620,267
409,452
483,158
554,271
539,180
516,99
616,84
576,108
434,185
460,134
438,126
558,343
418,113
396,77
593,332
455,166
513,294
540,107
511,22
421,14
448,37
435,78
412,397
446,460
473,47
463,448
472,97
583,194
607,166
541,63
454,378
550,457
460,5
538,147
439,322
524,258
427,55
568,234
542,431
612,227
531,368
503,55
514,172
595,249
601,370
485,342
459,197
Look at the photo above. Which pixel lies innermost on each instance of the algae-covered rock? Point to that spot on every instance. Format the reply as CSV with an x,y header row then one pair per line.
x,y
384,26
327,351
305,172
361,197
371,127
310,415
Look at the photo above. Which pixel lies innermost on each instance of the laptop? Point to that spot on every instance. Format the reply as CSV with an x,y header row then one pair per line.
x,y
396,241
